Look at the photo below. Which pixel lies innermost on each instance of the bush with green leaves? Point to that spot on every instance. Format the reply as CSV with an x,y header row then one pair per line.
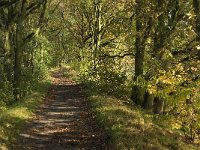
x,y
188,114
6,96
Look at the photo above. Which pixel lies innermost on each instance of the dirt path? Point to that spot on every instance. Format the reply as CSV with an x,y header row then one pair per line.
x,y
63,122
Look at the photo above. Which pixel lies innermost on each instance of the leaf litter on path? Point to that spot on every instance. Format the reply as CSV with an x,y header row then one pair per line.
x,y
63,122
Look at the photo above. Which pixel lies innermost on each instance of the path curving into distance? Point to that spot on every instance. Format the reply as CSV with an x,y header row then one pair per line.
x,y
63,122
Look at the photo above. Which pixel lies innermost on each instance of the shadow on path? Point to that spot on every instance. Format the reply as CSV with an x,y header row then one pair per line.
x,y
63,122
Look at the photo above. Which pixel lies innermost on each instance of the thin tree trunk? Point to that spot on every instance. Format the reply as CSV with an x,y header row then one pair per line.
x,y
96,32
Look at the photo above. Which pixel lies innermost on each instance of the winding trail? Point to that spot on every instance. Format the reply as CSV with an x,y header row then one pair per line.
x,y
63,122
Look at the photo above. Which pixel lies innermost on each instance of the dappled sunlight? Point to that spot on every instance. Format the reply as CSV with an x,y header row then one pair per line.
x,y
131,127
62,121
12,119
133,65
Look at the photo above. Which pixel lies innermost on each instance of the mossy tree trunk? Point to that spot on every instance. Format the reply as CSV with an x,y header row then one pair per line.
x,y
18,50
142,32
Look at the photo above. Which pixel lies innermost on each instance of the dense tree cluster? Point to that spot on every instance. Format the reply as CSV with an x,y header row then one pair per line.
x,y
20,24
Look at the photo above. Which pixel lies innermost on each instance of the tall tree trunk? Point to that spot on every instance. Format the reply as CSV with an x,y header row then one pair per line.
x,y
17,63
18,50
138,91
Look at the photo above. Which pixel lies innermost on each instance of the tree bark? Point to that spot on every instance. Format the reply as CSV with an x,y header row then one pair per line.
x,y
138,91
158,105
18,50
148,100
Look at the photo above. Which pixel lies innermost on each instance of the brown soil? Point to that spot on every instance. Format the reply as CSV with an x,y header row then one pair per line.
x,y
63,122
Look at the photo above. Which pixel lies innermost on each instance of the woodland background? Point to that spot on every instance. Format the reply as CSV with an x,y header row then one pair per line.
x,y
143,53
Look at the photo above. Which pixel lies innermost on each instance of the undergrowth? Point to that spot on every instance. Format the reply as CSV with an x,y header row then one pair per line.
x,y
131,128
13,118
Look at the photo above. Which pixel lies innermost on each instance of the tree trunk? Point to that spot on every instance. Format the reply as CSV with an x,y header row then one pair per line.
x,y
17,63
158,105
148,101
18,51
137,91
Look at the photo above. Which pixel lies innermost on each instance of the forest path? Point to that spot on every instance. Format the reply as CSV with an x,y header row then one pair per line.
x,y
63,121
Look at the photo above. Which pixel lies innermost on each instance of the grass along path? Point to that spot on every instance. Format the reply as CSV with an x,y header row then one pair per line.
x,y
13,118
131,128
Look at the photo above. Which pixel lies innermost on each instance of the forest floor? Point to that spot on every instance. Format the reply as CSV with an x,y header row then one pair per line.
x,y
62,122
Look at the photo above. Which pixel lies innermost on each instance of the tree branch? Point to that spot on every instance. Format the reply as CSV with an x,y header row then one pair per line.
x,y
29,37
7,3
116,56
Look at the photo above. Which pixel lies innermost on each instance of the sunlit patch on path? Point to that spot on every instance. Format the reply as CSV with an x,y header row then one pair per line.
x,y
63,122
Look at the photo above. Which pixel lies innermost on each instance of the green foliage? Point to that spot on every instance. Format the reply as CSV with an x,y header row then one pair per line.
x,y
107,78
187,114
13,118
131,128
141,82
6,96
95,39
30,78
41,72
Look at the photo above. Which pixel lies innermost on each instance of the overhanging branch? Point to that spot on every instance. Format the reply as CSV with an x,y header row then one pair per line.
x,y
117,56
